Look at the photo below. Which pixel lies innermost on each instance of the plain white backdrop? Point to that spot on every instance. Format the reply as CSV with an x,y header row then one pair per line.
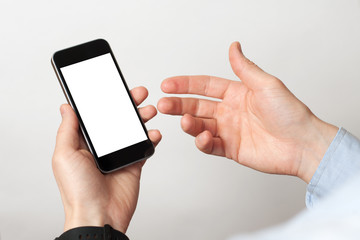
x,y
313,46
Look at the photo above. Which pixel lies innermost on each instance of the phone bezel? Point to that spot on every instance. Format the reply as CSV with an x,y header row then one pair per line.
x,y
121,157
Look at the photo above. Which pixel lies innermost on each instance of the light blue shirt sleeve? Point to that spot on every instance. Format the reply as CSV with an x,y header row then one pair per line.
x,y
333,196
340,162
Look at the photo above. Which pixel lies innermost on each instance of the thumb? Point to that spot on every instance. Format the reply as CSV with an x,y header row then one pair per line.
x,y
68,134
248,72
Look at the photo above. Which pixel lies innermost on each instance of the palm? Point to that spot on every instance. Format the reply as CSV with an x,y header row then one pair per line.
x,y
257,127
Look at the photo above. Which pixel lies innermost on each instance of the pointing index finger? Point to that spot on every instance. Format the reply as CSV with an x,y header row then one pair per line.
x,y
208,86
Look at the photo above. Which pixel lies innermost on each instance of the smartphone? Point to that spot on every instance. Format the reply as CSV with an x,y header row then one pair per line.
x,y
108,117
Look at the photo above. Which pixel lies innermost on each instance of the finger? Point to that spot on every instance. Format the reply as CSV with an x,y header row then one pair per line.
x,y
202,85
155,136
194,106
68,134
194,126
139,94
248,72
206,143
147,112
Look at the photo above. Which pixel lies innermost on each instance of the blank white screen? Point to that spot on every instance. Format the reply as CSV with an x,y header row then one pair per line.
x,y
103,104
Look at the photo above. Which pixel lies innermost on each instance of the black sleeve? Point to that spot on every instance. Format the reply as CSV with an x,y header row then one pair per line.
x,y
93,233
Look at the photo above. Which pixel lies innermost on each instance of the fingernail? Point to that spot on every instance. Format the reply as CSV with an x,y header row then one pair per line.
x,y
199,139
168,86
238,46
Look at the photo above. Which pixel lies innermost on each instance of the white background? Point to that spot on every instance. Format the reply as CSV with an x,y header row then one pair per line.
x,y
103,103
313,46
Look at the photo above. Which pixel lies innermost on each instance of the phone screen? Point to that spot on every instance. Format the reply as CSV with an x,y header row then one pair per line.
x,y
103,104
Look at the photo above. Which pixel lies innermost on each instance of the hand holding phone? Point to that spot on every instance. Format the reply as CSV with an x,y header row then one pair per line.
x,y
91,198
95,88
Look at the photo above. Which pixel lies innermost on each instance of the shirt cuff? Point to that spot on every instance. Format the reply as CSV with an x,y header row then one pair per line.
x,y
341,161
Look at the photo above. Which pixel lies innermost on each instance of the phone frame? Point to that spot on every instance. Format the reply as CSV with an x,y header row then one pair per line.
x,y
122,157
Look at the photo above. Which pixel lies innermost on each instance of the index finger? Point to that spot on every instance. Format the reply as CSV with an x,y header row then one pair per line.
x,y
202,85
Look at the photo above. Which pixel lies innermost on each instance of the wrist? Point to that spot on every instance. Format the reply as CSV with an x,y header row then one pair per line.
x,y
79,218
317,141
90,216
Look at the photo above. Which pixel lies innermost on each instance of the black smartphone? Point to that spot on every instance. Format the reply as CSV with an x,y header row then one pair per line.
x,y
109,120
